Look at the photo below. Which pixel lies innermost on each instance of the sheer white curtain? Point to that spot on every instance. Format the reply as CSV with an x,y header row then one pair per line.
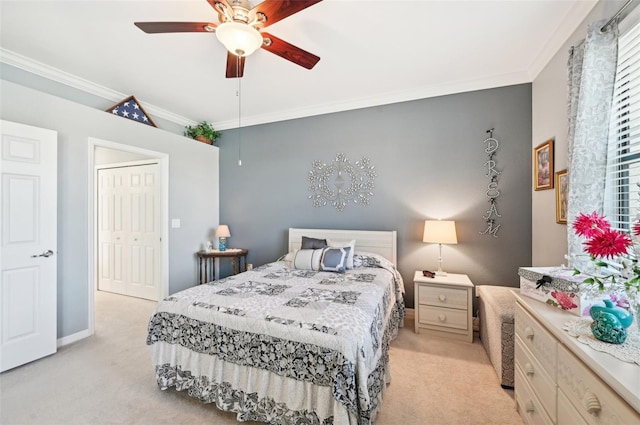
x,y
592,68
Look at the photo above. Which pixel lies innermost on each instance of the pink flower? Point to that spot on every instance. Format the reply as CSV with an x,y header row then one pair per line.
x,y
610,243
564,300
636,229
589,225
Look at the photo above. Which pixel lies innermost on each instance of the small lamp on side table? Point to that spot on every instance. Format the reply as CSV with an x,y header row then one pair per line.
x,y
440,231
222,233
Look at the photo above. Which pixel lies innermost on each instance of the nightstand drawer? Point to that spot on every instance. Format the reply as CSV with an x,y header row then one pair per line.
x,y
443,297
443,317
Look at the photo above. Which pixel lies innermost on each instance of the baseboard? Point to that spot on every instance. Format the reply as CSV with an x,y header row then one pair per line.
x,y
66,340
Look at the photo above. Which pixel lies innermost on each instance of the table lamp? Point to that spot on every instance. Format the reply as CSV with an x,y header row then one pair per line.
x,y
440,231
222,233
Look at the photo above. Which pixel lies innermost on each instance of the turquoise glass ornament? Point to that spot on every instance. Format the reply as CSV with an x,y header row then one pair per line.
x,y
610,323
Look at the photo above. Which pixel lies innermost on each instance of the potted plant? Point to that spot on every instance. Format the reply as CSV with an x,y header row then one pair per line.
x,y
203,132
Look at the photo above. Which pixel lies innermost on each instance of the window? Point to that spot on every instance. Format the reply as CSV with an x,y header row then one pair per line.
x,y
622,189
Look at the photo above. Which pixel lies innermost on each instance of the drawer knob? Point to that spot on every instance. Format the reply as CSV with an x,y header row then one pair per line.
x,y
591,403
442,298
528,332
529,407
528,368
442,317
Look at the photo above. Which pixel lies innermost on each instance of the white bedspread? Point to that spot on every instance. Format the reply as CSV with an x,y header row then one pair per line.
x,y
282,345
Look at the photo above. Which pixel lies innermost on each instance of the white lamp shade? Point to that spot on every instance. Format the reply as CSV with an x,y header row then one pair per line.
x,y
240,39
223,231
440,231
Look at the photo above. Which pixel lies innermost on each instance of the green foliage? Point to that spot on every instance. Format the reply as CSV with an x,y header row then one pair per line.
x,y
203,129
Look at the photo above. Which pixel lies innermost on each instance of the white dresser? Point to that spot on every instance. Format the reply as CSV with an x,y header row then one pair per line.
x,y
559,380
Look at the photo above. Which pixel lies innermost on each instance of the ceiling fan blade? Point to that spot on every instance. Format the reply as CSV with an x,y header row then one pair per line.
x,y
289,51
276,10
235,66
162,27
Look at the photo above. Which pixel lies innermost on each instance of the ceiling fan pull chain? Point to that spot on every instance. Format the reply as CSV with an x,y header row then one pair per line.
x,y
239,94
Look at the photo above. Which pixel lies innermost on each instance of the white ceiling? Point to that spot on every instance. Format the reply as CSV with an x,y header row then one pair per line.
x,y
372,53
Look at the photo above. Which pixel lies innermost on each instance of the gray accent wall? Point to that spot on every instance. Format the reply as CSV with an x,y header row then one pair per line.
x,y
429,156
193,190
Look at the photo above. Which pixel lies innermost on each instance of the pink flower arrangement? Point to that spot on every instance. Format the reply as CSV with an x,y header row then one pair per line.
x,y
603,242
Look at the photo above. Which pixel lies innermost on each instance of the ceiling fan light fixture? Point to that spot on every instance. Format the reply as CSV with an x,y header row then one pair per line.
x,y
240,39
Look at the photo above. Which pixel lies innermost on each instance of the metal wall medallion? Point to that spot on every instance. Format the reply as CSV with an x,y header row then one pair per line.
x,y
340,182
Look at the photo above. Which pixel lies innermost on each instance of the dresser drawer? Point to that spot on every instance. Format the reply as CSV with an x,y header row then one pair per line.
x,y
539,341
567,414
537,378
443,297
597,403
443,317
527,403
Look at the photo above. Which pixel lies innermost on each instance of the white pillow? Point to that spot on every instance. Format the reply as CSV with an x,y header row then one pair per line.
x,y
342,244
307,259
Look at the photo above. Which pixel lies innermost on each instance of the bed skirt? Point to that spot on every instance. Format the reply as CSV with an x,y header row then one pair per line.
x,y
254,394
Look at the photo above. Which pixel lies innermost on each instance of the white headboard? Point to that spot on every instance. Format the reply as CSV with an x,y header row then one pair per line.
x,y
379,242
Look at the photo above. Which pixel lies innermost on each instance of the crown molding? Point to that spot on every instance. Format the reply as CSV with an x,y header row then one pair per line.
x,y
54,74
384,99
570,23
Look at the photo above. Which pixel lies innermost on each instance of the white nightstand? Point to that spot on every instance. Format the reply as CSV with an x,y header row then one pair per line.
x,y
443,305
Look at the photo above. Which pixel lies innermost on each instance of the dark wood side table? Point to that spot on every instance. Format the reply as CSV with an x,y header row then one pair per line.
x,y
207,262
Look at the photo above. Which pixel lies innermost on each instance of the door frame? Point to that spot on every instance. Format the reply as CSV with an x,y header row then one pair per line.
x,y
163,161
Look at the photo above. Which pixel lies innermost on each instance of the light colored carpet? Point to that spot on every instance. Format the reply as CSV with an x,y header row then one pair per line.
x,y
108,379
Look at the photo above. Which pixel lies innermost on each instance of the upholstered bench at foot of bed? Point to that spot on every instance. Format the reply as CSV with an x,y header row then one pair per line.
x,y
496,307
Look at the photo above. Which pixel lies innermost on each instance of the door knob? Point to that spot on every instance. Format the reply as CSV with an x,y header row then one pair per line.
x,y
47,253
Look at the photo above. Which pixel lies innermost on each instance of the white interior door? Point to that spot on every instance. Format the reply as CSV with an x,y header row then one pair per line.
x,y
111,230
28,254
128,232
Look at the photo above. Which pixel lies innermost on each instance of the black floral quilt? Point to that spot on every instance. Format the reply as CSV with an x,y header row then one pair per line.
x,y
282,345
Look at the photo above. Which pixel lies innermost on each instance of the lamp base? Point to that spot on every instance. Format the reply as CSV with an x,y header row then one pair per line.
x,y
222,244
441,273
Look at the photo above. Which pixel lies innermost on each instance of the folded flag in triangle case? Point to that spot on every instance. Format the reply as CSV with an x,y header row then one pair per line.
x,y
130,108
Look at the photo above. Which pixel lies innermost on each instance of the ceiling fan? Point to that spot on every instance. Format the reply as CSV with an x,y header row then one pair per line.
x,y
240,30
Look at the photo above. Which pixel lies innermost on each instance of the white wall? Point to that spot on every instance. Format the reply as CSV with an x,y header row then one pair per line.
x,y
193,189
550,120
113,156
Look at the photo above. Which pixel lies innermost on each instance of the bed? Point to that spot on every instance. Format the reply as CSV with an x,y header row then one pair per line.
x,y
286,343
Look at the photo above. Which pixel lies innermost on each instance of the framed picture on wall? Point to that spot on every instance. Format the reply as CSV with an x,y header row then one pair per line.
x,y
562,195
543,166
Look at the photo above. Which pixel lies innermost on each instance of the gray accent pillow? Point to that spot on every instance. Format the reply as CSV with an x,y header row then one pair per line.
x,y
351,244
334,259
313,243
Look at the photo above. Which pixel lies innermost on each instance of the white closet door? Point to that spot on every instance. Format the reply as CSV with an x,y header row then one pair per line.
x,y
144,234
112,273
28,287
128,235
